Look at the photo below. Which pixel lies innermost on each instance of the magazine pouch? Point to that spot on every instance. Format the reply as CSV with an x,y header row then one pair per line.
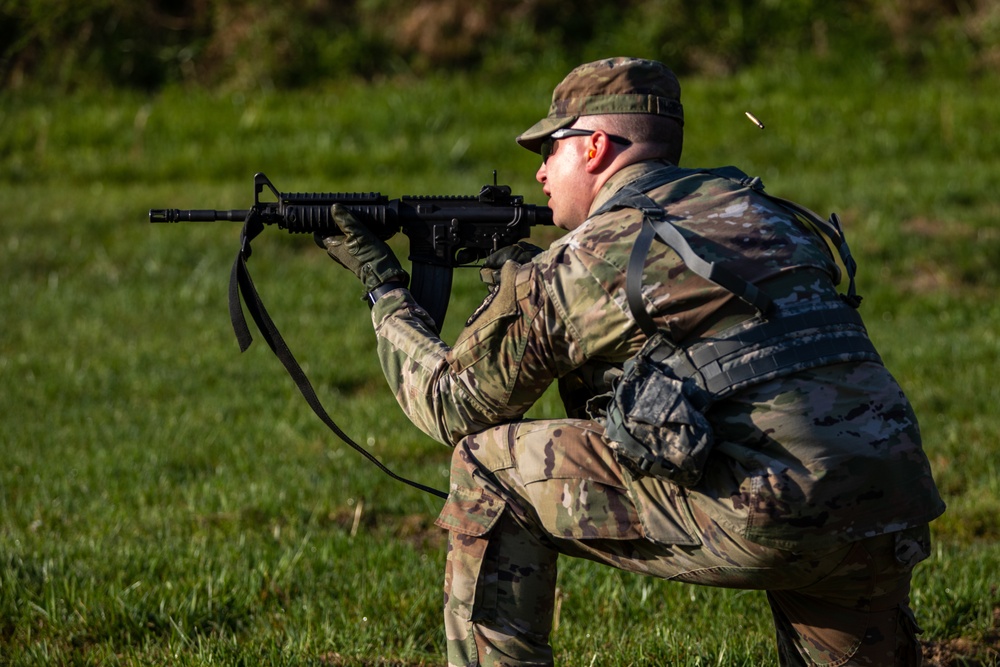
x,y
655,420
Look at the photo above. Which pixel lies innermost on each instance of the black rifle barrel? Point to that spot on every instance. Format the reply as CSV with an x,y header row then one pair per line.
x,y
196,215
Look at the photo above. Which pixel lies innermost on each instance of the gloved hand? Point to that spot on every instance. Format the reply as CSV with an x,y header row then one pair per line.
x,y
360,251
521,252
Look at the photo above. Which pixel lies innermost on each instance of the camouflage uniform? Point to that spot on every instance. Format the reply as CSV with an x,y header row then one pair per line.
x,y
817,489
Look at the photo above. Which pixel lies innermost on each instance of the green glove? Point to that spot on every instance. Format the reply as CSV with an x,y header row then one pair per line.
x,y
361,252
521,253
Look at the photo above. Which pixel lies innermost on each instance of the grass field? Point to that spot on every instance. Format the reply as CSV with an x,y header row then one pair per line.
x,y
165,500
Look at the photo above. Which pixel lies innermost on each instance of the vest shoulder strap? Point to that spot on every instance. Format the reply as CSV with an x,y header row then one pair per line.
x,y
656,224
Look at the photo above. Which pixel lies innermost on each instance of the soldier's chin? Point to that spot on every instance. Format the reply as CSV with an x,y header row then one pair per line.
x,y
561,220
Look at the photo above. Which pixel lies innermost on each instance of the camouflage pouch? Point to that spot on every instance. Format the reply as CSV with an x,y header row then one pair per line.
x,y
654,422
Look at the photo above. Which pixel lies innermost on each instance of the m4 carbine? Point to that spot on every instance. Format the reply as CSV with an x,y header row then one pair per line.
x,y
444,231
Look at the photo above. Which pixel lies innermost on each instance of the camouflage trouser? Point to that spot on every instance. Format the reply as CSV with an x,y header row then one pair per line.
x,y
523,493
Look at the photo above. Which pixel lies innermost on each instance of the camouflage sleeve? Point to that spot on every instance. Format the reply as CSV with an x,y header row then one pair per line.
x,y
516,344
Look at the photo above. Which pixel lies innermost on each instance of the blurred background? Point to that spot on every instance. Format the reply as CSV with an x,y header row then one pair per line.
x,y
248,44
166,500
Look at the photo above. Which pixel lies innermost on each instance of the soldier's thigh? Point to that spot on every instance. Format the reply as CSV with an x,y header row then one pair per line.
x,y
582,498
565,472
561,480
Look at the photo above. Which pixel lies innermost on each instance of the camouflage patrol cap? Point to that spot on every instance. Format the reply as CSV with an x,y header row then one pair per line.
x,y
614,85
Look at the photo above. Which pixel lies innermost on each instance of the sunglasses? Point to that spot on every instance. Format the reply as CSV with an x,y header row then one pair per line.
x,y
549,143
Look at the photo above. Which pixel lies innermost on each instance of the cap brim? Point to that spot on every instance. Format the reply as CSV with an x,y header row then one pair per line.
x,y
533,137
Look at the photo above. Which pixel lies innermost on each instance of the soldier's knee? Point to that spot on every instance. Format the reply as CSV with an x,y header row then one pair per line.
x,y
485,452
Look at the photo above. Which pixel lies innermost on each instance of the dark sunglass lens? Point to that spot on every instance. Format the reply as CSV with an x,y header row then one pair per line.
x,y
546,149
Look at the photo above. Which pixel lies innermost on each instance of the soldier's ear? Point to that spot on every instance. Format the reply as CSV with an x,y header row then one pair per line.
x,y
599,151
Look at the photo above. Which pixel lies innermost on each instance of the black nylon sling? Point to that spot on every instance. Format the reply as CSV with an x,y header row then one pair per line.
x,y
241,285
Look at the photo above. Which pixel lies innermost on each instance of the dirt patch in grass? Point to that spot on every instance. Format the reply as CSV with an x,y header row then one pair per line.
x,y
337,660
958,257
416,529
966,652
962,652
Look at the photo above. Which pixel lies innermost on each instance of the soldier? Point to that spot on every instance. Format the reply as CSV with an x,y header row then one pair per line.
x,y
768,448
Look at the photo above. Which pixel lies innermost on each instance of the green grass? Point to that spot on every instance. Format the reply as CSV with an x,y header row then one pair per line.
x,y
166,500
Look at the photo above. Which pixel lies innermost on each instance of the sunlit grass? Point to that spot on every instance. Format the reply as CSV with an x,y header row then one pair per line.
x,y
166,500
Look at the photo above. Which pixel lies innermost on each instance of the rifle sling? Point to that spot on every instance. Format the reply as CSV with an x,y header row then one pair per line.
x,y
241,285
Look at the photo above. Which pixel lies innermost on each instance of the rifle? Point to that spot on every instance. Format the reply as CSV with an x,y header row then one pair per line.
x,y
445,232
